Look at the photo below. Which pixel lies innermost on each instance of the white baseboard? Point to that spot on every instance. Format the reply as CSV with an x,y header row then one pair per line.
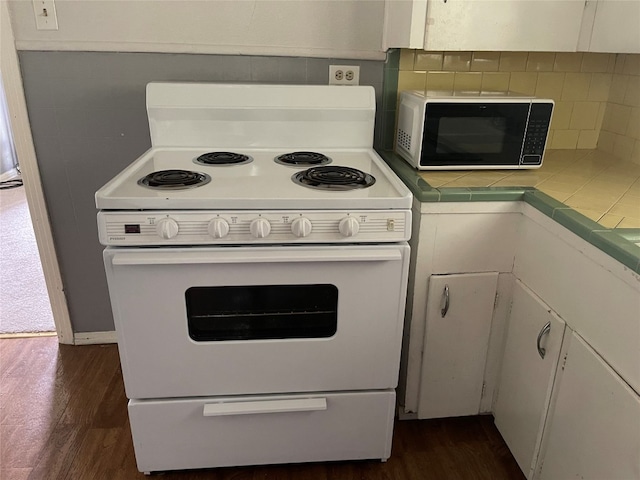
x,y
91,338
11,174
27,335
405,416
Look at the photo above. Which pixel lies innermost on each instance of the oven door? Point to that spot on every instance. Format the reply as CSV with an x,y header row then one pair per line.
x,y
242,320
473,134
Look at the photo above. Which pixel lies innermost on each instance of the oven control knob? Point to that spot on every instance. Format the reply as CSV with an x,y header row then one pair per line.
x,y
218,228
301,227
260,227
167,228
349,227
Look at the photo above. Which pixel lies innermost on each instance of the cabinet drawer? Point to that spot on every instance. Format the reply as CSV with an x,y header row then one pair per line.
x,y
205,432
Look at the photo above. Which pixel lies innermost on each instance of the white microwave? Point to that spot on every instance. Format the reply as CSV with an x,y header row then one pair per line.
x,y
472,130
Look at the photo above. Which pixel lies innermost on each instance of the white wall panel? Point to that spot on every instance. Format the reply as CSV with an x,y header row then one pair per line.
x,y
348,28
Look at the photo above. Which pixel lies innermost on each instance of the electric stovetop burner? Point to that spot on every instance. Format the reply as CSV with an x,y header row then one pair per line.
x,y
303,159
174,179
334,177
223,158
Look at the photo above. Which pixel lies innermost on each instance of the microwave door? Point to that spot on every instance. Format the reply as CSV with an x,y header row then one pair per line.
x,y
473,134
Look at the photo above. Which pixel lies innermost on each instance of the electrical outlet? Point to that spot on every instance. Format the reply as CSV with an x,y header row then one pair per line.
x,y
45,12
344,75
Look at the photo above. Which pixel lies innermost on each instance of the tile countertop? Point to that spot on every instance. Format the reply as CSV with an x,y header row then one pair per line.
x,y
589,192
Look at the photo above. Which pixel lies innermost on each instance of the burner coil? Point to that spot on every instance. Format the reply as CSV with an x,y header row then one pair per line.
x,y
334,177
303,159
223,158
174,179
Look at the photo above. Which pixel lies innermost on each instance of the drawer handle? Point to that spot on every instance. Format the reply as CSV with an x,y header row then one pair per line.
x,y
265,406
445,301
545,330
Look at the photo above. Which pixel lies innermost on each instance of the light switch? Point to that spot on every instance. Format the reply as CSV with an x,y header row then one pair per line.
x,y
45,12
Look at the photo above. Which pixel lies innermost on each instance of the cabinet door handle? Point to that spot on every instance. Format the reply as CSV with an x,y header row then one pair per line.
x,y
444,304
545,330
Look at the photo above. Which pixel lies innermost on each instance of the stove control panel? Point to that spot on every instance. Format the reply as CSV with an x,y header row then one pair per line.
x,y
244,227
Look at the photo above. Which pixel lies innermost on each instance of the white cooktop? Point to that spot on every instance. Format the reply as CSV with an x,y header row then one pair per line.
x,y
262,184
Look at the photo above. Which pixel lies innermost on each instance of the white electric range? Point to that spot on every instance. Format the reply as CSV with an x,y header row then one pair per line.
x,y
257,264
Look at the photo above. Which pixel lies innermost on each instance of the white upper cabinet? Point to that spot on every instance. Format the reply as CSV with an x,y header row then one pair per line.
x,y
611,26
513,25
523,25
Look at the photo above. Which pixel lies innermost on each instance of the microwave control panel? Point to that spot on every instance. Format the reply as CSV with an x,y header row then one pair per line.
x,y
536,136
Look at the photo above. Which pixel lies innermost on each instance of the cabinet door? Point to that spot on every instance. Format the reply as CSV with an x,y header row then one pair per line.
x,y
525,25
458,323
615,27
528,370
593,431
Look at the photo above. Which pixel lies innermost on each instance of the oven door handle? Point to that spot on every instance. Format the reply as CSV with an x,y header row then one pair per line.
x,y
265,406
183,258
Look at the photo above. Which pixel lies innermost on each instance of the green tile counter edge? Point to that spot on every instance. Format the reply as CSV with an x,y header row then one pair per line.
x,y
608,240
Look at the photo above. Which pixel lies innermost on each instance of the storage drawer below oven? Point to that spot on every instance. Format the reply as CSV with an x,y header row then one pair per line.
x,y
202,432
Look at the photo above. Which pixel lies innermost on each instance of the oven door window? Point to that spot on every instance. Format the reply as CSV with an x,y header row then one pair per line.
x,y
261,312
474,134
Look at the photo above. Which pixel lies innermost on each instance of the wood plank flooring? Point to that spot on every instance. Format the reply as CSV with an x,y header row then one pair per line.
x,y
63,416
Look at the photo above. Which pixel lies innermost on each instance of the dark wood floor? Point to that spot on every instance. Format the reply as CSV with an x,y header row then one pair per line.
x,y
63,416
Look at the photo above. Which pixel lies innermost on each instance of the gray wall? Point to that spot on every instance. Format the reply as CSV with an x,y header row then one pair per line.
x,y
88,119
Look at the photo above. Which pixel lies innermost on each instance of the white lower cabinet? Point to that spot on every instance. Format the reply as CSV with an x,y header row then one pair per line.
x,y
593,431
532,347
458,325
573,413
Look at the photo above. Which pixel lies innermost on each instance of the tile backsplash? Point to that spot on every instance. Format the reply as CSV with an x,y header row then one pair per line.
x,y
594,92
620,133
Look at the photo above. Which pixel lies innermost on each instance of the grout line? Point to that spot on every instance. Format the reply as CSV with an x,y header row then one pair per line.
x,y
583,187
621,220
616,202
591,179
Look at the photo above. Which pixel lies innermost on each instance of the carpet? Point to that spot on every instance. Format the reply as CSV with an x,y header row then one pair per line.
x,y
24,303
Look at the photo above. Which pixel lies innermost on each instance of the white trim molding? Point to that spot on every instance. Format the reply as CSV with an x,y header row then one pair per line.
x,y
25,151
28,335
157,47
94,338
